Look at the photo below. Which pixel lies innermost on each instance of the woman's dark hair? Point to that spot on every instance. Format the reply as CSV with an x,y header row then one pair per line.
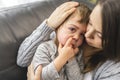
x,y
111,28
110,34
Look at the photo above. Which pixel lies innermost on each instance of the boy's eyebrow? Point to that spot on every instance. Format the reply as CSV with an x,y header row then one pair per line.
x,y
75,26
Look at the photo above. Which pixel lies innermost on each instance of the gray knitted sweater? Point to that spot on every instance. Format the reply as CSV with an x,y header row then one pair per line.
x,y
45,55
109,70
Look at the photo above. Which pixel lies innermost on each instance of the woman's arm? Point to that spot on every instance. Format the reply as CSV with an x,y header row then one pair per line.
x,y
41,34
30,44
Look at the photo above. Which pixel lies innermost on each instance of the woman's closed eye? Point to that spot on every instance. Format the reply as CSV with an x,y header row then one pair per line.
x,y
99,34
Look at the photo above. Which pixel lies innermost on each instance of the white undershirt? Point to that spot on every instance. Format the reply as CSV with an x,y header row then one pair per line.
x,y
88,76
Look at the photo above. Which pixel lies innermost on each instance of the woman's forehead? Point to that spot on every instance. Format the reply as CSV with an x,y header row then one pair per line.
x,y
96,18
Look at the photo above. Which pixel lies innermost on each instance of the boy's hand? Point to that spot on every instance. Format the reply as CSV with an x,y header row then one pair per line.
x,y
67,51
61,13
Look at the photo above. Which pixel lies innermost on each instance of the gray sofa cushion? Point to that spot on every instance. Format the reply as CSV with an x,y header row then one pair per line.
x,y
16,23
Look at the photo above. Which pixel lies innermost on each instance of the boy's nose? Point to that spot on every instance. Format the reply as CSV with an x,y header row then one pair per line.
x,y
76,37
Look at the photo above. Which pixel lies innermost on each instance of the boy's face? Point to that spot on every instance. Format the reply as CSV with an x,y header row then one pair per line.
x,y
72,28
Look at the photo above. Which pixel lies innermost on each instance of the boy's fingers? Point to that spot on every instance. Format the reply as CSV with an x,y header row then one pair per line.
x,y
60,45
68,42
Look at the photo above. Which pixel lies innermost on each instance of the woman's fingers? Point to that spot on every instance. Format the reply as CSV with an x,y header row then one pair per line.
x,y
61,13
30,73
38,72
68,5
68,12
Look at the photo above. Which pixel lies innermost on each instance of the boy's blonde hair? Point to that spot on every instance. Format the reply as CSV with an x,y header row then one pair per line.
x,y
84,12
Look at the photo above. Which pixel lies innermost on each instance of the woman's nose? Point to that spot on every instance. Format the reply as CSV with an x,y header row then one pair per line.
x,y
89,33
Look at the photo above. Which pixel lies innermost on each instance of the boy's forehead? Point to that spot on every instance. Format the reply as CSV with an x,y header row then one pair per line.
x,y
75,15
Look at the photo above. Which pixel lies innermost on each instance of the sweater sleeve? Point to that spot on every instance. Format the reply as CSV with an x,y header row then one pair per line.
x,y
43,57
110,70
49,72
30,44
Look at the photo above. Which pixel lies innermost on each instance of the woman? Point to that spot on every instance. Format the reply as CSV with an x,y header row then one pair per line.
x,y
103,32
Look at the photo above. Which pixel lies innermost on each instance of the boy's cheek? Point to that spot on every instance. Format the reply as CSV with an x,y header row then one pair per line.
x,y
79,43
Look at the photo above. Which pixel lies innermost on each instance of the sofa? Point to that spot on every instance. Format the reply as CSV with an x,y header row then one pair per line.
x,y
16,23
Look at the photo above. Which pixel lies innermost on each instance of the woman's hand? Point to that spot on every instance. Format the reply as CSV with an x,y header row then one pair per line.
x,y
31,75
61,13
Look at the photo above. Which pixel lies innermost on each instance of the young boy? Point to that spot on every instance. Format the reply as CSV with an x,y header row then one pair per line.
x,y
60,58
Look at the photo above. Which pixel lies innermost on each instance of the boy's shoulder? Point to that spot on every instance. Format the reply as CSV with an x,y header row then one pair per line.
x,y
50,42
48,45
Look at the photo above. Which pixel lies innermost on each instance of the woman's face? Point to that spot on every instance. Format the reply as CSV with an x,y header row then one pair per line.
x,y
93,33
72,28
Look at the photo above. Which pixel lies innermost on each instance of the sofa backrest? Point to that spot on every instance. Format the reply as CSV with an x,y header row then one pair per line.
x,y
16,23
